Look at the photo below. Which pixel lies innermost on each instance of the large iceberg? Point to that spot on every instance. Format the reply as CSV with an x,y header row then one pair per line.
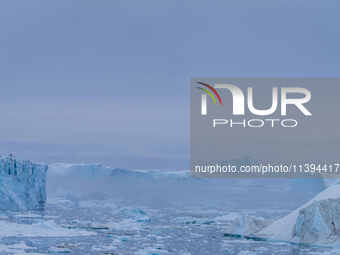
x,y
316,222
22,184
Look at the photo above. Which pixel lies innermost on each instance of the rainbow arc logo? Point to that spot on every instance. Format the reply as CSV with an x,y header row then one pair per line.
x,y
211,91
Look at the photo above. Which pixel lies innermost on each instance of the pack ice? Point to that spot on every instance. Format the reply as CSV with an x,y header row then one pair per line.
x,y
316,222
22,184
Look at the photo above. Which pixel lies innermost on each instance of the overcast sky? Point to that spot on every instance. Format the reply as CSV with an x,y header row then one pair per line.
x,y
108,81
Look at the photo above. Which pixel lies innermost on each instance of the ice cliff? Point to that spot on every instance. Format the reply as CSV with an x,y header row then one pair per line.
x,y
22,184
316,222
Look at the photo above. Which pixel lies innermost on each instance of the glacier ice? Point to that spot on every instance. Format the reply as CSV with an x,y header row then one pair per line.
x,y
152,188
22,184
242,224
317,221
84,170
232,223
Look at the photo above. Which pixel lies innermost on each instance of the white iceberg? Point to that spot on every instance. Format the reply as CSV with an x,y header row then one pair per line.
x,y
317,221
242,224
22,184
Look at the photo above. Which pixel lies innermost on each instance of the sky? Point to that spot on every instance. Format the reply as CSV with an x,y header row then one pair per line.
x,y
108,81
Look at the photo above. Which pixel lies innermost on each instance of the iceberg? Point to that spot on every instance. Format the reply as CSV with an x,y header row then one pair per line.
x,y
316,222
22,184
242,224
